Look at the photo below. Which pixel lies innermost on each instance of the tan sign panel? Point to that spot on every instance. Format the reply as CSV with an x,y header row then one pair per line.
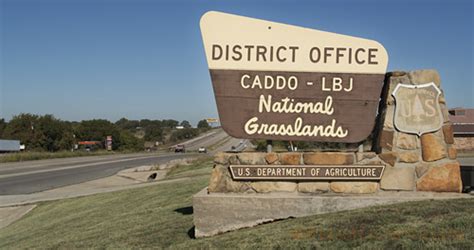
x,y
212,120
282,82
307,172
417,109
236,42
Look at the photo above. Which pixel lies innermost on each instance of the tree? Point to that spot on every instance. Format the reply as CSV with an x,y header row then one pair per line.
x,y
185,124
153,133
124,123
40,132
169,123
3,124
22,127
56,135
145,123
98,130
130,142
183,134
67,140
203,124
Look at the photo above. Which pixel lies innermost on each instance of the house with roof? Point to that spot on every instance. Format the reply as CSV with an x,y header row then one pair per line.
x,y
463,128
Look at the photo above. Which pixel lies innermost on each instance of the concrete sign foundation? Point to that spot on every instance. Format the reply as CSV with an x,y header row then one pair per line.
x,y
222,212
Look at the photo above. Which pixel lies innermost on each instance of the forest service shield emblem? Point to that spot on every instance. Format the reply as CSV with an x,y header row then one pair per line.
x,y
417,109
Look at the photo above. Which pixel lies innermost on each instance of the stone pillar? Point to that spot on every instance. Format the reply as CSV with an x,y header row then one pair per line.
x,y
424,163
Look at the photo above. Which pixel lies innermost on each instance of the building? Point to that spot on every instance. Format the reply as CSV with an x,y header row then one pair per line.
x,y
90,145
463,128
7,146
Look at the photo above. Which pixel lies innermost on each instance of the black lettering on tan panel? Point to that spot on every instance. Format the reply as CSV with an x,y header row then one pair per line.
x,y
237,52
372,55
249,51
271,53
227,52
219,48
338,54
327,53
311,54
356,55
261,51
350,55
293,53
278,54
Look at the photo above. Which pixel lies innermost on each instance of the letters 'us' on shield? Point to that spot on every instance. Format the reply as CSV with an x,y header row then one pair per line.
x,y
281,82
417,109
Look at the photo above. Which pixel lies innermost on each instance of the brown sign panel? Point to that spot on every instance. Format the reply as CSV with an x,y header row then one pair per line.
x,y
282,82
307,172
417,109
310,112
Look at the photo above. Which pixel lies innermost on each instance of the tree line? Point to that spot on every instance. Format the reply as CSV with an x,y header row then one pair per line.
x,y
48,133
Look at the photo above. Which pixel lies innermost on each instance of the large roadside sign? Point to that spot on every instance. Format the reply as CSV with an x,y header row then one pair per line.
x,y
282,82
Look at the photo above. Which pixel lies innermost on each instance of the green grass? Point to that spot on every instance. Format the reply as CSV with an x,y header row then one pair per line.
x,y
219,143
30,156
201,166
160,216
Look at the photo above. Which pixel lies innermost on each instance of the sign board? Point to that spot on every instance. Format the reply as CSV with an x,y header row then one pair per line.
x,y
108,143
281,82
9,145
417,109
212,120
307,172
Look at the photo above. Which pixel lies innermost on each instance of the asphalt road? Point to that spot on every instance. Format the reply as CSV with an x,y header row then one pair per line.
x,y
218,140
27,179
36,176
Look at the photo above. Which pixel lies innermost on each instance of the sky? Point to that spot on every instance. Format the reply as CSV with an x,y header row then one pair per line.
x,y
144,59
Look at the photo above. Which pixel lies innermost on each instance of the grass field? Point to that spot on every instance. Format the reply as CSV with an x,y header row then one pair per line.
x,y
160,216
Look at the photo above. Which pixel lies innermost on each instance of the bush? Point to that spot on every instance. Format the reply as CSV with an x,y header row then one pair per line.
x,y
183,134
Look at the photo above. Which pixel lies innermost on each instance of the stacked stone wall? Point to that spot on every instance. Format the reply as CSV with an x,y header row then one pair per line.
x,y
431,157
